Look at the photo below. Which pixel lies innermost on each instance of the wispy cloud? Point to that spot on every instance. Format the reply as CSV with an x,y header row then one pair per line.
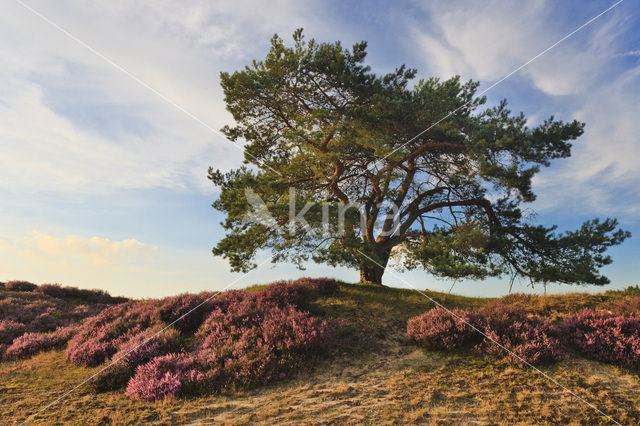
x,y
584,78
99,251
71,119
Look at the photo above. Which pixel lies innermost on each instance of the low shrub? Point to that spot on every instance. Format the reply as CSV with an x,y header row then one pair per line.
x,y
299,293
253,345
19,286
101,336
626,306
138,350
176,309
28,344
603,336
234,338
168,376
283,293
439,329
531,338
112,378
42,318
90,296
9,330
323,286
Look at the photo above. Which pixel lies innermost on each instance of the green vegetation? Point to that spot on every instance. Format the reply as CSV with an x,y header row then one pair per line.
x,y
341,171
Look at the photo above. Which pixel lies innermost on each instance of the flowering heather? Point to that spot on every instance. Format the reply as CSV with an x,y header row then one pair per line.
x,y
235,338
605,337
100,336
298,293
530,337
9,330
324,286
438,329
176,308
253,343
243,338
43,321
283,293
138,350
29,344
168,376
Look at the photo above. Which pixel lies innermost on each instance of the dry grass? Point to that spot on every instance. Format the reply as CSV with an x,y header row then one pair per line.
x,y
390,382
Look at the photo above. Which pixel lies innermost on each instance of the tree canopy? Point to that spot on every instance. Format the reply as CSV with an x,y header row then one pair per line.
x,y
317,119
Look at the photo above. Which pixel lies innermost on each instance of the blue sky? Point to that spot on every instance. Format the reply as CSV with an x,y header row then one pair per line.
x,y
103,183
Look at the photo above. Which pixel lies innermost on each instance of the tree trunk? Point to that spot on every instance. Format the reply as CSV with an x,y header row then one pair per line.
x,y
370,272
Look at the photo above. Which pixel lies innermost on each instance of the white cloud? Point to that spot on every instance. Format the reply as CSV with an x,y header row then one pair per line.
x,y
71,122
99,251
488,40
584,75
481,40
603,174
122,267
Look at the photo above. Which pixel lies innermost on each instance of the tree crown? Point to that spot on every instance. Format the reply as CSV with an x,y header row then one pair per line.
x,y
316,119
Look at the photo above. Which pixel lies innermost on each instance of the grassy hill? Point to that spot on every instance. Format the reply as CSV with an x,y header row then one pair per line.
x,y
384,379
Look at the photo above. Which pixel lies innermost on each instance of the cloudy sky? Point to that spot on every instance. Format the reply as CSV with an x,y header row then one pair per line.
x,y
109,114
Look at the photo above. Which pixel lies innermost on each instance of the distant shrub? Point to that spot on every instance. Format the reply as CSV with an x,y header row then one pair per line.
x,y
53,290
520,299
20,286
603,336
323,286
632,290
283,293
626,306
439,329
168,376
90,296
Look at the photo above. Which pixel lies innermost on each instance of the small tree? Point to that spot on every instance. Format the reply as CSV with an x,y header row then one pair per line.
x,y
316,119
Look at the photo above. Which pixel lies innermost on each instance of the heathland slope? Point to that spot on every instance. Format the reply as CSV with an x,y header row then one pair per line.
x,y
329,352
